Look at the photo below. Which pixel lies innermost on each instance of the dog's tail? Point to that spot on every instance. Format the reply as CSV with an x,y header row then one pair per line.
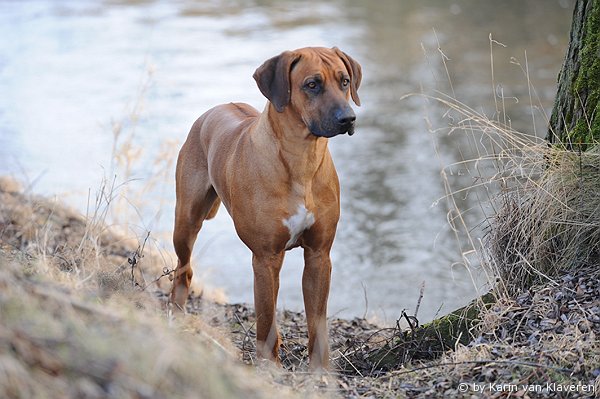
x,y
214,209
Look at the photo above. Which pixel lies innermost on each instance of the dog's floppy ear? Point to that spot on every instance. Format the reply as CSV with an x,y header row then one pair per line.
x,y
355,72
273,78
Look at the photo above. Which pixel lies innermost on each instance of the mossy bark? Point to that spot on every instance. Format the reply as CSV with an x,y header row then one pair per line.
x,y
575,121
432,339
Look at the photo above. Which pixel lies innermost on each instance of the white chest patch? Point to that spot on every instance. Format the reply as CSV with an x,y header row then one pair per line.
x,y
297,223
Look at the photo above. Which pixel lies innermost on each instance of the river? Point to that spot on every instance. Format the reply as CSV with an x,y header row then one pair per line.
x,y
74,74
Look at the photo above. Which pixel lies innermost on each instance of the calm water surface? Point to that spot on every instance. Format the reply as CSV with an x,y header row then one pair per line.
x,y
70,71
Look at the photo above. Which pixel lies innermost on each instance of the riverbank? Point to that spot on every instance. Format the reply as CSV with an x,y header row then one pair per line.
x,y
83,315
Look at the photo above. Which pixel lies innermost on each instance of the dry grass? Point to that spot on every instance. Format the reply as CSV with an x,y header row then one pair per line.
x,y
549,225
56,344
541,203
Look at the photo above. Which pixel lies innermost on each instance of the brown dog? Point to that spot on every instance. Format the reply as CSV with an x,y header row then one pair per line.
x,y
274,174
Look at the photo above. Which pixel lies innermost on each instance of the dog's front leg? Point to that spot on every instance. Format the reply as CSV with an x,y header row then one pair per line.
x,y
266,286
315,288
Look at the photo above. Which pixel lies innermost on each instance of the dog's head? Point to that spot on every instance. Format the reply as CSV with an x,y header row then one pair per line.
x,y
315,83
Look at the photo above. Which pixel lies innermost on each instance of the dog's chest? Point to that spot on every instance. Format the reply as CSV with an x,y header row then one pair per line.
x,y
297,223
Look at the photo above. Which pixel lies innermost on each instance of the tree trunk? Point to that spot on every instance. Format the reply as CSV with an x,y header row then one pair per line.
x,y
575,121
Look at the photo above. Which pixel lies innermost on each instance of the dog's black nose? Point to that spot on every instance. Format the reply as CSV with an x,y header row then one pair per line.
x,y
345,117
347,120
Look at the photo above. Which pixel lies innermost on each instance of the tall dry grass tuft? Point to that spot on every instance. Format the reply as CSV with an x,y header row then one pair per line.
x,y
548,223
533,209
540,203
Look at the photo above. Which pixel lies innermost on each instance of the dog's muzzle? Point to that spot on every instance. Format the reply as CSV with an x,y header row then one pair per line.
x,y
341,122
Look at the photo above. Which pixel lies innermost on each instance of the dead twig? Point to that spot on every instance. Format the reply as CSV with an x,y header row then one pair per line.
x,y
134,259
166,272
421,293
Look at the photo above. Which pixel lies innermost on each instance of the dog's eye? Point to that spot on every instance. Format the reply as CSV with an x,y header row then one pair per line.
x,y
311,85
345,82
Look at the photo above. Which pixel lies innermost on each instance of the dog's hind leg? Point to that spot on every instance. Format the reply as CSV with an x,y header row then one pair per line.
x,y
196,202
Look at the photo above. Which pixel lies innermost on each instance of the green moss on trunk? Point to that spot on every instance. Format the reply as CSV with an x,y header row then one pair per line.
x,y
586,87
432,339
575,121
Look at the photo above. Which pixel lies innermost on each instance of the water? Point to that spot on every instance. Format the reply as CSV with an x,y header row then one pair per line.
x,y
71,71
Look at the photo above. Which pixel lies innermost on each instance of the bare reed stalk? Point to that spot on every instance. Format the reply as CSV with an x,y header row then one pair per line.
x,y
126,153
137,205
